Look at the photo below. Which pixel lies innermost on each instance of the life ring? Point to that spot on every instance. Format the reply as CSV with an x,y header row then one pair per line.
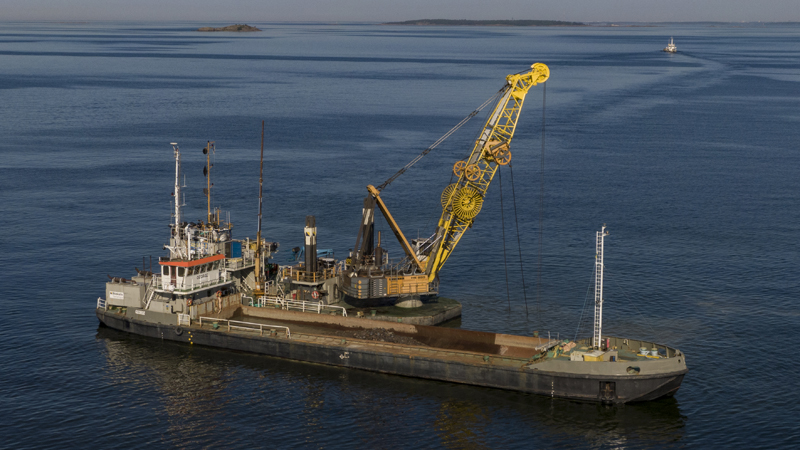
x,y
189,302
315,295
178,331
219,294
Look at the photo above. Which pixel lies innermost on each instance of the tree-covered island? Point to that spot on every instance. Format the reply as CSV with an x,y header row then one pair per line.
x,y
494,23
237,27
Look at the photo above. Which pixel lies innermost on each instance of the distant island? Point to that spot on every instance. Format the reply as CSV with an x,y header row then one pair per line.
x,y
236,27
493,23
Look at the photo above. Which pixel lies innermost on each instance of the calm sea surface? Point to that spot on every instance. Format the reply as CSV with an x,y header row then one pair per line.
x,y
691,159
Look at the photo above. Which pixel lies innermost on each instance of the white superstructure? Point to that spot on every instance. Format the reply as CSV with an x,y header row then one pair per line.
x,y
671,48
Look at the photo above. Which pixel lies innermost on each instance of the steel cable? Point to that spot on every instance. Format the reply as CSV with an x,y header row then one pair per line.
x,y
503,226
519,245
441,139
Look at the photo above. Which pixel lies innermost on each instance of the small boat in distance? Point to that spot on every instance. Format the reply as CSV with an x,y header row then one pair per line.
x,y
671,48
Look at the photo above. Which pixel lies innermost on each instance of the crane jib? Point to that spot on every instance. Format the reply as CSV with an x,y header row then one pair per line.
x,y
463,200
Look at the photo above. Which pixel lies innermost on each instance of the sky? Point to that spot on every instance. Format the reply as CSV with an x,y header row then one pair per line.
x,y
252,11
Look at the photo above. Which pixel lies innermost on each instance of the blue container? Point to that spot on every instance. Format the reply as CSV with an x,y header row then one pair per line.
x,y
236,249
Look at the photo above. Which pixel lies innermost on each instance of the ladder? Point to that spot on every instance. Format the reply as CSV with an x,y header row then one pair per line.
x,y
598,288
150,292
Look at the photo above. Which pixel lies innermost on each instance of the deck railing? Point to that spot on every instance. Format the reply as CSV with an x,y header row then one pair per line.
x,y
101,303
238,263
299,305
191,285
309,277
247,326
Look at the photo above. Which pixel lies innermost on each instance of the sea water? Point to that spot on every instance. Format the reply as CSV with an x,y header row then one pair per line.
x,y
690,159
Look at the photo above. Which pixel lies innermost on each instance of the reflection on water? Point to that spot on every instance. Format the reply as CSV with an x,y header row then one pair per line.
x,y
191,391
200,395
460,424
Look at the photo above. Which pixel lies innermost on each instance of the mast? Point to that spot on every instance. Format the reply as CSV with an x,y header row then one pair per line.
x,y
598,288
177,191
207,172
177,194
259,278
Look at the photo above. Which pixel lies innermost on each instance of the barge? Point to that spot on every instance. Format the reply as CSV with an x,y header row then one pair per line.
x,y
212,291
535,365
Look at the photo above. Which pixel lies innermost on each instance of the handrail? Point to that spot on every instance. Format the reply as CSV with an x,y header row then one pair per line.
x,y
101,303
312,277
188,287
298,304
259,325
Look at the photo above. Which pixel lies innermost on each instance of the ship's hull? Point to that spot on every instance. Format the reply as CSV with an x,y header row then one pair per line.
x,y
373,302
587,387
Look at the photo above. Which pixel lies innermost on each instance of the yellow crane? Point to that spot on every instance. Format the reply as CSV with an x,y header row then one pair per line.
x,y
461,200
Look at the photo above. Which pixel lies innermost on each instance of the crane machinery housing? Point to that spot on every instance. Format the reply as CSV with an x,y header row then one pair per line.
x,y
369,278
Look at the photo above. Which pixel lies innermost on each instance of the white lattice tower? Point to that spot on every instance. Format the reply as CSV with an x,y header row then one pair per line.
x,y
598,288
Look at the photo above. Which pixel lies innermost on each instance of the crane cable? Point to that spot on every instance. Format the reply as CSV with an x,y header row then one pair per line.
x,y
644,319
516,220
519,245
583,310
503,227
441,139
541,205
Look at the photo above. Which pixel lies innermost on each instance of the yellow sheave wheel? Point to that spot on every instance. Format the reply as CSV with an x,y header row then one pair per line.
x,y
447,194
502,155
467,203
473,172
458,168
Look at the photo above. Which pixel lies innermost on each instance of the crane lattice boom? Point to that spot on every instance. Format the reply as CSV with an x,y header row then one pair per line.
x,y
462,200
